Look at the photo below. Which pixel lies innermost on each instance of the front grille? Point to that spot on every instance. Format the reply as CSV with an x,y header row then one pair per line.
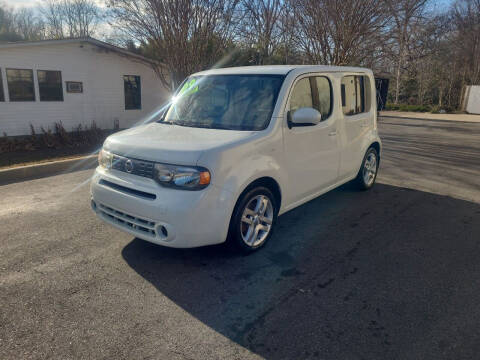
x,y
133,166
128,190
143,226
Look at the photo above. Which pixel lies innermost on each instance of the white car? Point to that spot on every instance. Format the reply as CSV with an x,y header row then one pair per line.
x,y
236,148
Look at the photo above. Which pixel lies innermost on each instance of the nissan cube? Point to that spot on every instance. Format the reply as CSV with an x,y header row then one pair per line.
x,y
236,148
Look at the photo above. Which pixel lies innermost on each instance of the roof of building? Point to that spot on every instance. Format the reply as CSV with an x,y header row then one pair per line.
x,y
89,40
280,69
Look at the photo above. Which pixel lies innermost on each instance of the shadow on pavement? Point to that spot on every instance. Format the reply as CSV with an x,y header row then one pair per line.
x,y
390,273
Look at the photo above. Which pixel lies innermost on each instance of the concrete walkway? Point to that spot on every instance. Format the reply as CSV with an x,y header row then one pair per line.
x,y
428,116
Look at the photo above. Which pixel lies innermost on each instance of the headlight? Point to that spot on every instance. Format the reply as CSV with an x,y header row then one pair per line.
x,y
182,177
105,159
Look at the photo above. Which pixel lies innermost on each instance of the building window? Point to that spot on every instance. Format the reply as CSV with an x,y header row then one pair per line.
x,y
133,93
355,94
50,85
2,95
20,85
314,92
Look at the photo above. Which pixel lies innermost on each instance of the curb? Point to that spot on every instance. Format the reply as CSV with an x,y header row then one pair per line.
x,y
37,171
426,119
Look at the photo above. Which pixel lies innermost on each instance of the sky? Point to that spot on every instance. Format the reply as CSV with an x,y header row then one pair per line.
x,y
440,4
19,3
31,3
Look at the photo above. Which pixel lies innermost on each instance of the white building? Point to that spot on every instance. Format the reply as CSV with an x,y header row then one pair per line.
x,y
75,81
471,99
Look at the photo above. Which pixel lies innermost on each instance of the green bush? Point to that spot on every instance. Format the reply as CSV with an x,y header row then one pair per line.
x,y
407,108
392,107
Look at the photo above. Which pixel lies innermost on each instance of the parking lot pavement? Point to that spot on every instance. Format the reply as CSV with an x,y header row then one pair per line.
x,y
388,274
436,156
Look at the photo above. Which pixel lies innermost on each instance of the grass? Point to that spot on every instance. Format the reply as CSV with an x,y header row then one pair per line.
x,y
407,108
434,109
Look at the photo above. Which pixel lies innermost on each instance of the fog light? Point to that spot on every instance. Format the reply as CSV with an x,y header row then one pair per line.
x,y
162,231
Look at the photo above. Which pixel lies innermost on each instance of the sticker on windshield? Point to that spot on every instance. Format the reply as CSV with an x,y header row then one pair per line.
x,y
189,87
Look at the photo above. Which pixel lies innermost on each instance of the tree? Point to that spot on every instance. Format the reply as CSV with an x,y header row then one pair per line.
x,y
186,35
407,16
466,17
7,29
261,27
70,18
20,25
339,32
28,25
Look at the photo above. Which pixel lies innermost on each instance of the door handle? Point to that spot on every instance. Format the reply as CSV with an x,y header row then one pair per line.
x,y
333,133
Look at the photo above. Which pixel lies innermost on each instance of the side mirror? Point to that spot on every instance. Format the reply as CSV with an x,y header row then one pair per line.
x,y
304,117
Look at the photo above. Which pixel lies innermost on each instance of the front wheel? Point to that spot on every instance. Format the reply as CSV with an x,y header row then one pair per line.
x,y
368,171
253,220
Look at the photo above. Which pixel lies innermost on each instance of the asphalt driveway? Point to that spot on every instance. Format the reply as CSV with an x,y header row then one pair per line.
x,y
388,274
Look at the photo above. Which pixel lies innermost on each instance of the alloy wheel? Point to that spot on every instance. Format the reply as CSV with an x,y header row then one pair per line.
x,y
256,221
370,169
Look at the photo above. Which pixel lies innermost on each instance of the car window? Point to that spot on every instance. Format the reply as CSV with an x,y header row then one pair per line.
x,y
324,89
231,102
355,94
301,95
314,92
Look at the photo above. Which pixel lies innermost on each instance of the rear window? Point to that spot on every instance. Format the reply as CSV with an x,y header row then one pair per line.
x,y
356,94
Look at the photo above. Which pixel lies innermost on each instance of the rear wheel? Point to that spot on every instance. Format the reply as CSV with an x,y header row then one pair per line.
x,y
368,171
253,220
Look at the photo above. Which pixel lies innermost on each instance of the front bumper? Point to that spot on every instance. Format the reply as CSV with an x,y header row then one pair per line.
x,y
169,217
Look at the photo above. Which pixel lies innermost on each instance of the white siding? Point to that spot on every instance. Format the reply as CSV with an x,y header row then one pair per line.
x,y
473,101
102,100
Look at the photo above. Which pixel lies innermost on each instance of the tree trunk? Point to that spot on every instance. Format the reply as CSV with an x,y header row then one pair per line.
x,y
397,83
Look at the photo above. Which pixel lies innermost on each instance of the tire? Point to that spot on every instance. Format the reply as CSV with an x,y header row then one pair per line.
x,y
253,220
368,171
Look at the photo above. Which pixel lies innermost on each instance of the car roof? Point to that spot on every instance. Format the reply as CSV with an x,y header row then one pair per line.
x,y
280,69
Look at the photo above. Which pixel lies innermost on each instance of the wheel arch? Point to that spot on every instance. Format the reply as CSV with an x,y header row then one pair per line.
x,y
376,145
265,181
371,144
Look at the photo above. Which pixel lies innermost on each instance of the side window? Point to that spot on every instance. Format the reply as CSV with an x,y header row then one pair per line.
x,y
133,94
314,92
2,95
324,96
301,95
20,85
50,85
356,97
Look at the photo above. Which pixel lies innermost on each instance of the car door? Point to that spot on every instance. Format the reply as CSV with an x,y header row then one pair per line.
x,y
357,118
311,152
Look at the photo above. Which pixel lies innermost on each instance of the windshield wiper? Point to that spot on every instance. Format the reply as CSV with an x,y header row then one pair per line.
x,y
206,126
162,121
196,125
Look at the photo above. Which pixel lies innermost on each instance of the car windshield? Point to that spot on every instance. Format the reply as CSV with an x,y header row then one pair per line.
x,y
232,102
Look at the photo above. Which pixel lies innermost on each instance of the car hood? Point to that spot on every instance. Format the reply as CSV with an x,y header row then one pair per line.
x,y
170,143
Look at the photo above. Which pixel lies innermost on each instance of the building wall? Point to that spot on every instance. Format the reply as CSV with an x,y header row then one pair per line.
x,y
102,100
473,101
